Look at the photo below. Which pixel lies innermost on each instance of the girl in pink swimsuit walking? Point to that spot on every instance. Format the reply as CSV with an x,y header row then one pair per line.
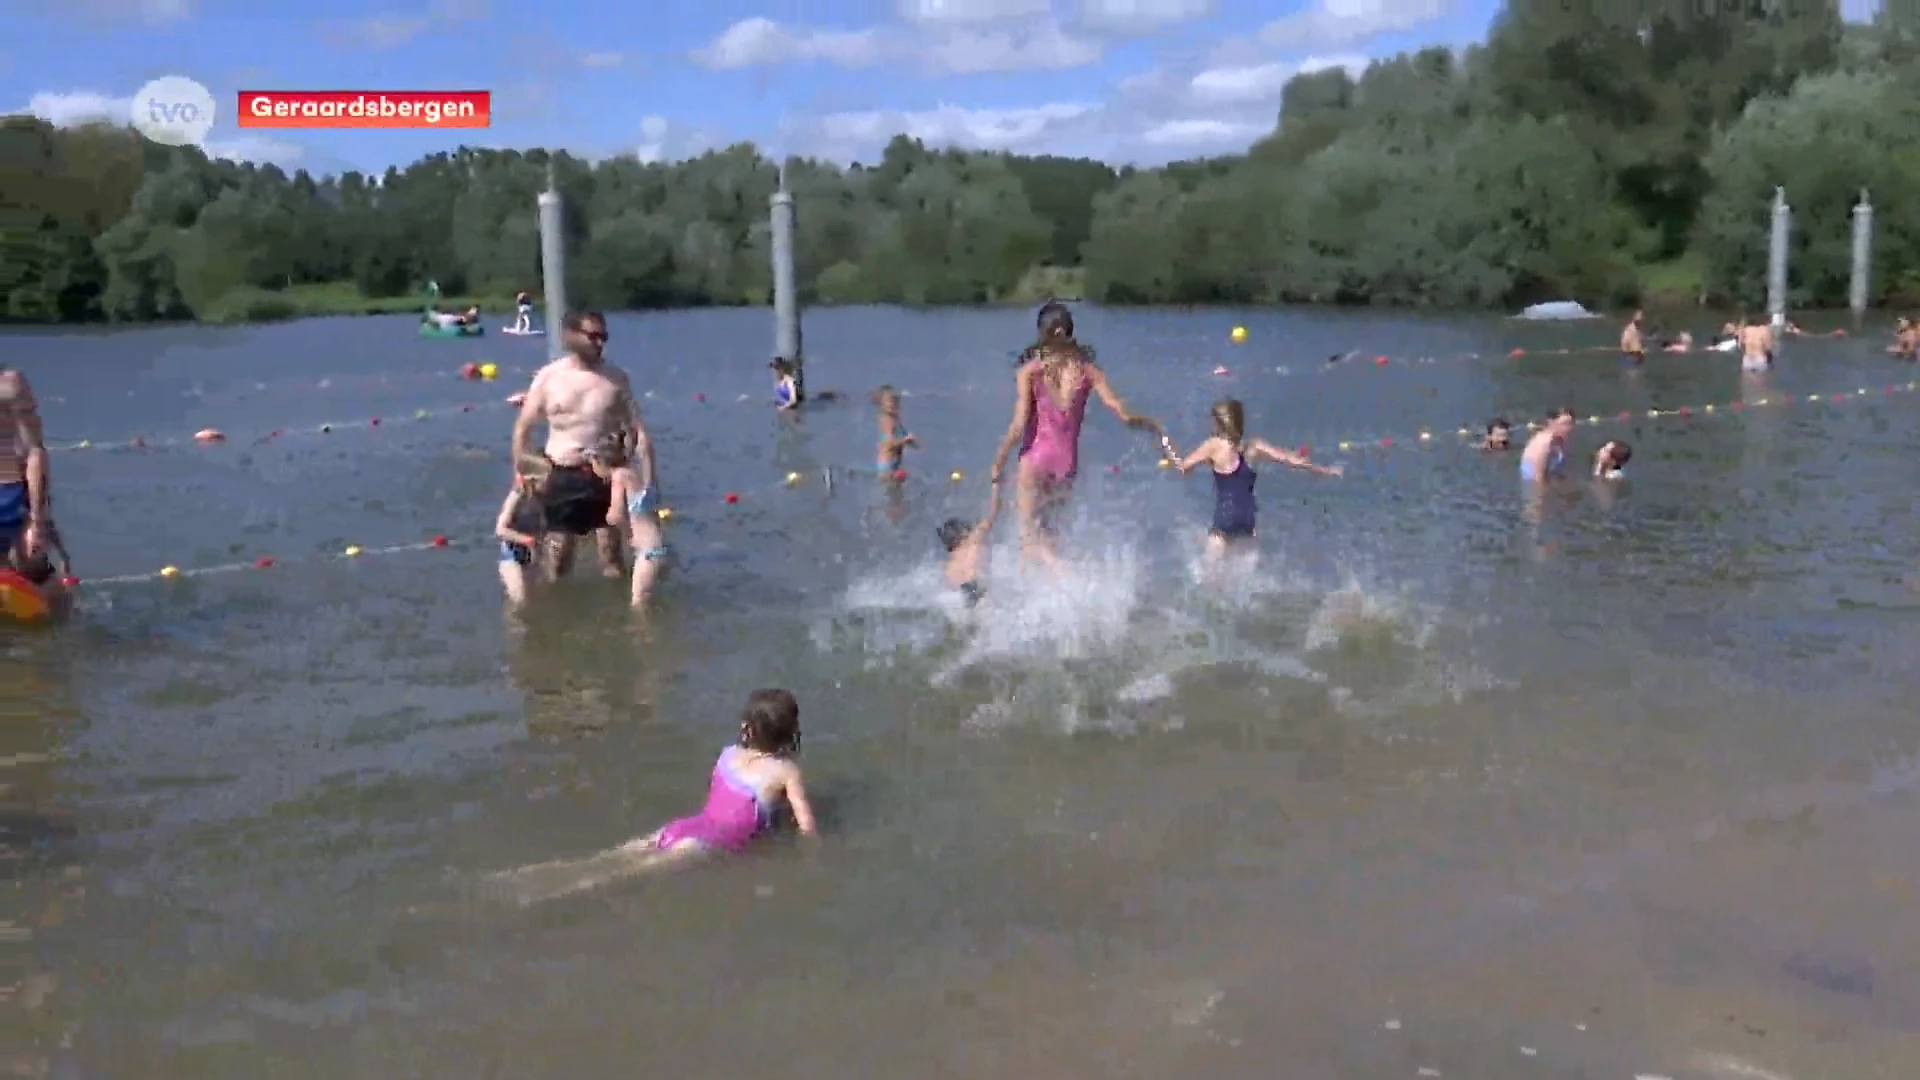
x,y
1049,405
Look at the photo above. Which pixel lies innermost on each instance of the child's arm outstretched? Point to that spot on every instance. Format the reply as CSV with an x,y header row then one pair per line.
x,y
1260,448
1202,454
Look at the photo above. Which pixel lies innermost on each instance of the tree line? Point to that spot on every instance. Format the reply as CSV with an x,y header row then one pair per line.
x,y
1609,156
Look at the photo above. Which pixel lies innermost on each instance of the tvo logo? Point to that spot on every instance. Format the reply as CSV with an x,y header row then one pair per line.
x,y
173,111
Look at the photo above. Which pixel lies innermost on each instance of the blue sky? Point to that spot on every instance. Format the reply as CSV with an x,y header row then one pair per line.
x,y
1125,80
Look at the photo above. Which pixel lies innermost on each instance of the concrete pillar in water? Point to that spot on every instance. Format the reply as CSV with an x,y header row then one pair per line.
x,y
553,266
786,302
1777,259
1862,255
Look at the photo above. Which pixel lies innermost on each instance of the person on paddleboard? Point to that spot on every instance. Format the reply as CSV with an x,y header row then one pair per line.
x,y
1057,375
523,304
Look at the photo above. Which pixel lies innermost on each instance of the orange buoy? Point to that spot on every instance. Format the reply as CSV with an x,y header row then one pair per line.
x,y
209,435
20,599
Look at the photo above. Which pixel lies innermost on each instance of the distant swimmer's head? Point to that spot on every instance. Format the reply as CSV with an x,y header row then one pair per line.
x,y
886,399
1229,420
1499,433
770,724
1612,458
585,333
1560,422
953,532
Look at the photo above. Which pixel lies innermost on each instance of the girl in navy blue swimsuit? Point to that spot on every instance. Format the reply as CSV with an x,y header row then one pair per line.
x,y
1232,454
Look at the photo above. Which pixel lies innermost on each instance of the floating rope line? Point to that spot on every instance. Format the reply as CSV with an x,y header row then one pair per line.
x,y
829,477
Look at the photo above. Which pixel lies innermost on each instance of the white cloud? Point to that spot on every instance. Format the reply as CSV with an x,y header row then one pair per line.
x,y
1342,22
602,60
662,139
1210,136
1262,82
1048,48
971,11
934,49
758,41
74,108
1141,16
385,31
78,107
851,136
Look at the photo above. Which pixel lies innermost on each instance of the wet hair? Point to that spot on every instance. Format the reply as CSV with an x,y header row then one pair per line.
x,y
953,532
885,392
579,320
770,723
1498,423
1229,420
1561,413
1055,326
1622,453
781,367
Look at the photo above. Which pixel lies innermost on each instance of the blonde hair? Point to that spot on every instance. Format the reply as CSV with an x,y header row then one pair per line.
x,y
1229,420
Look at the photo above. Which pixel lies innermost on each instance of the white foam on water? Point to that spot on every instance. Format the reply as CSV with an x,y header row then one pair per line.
x,y
1105,639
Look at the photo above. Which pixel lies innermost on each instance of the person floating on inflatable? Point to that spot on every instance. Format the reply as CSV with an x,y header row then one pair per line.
x,y
523,303
27,589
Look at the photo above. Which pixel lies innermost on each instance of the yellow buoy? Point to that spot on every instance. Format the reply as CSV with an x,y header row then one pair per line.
x,y
419,414
664,513
793,478
956,477
169,571
1239,334
488,371
1165,464
352,550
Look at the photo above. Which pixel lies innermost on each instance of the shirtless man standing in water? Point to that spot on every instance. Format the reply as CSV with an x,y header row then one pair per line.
x,y
1756,346
1632,345
584,400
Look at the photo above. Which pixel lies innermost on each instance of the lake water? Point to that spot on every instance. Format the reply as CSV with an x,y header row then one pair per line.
x,y
1624,786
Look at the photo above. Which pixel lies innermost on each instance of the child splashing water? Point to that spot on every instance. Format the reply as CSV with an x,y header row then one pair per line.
x,y
894,436
1231,454
965,544
751,780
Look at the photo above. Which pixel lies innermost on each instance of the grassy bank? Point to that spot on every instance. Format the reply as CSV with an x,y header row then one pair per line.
x,y
249,305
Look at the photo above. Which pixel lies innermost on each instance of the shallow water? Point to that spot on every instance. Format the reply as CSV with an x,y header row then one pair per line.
x,y
1623,784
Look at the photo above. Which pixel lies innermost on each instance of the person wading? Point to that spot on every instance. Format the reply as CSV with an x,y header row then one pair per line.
x,y
583,400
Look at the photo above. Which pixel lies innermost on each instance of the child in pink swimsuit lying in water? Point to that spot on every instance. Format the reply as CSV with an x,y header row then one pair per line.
x,y
750,780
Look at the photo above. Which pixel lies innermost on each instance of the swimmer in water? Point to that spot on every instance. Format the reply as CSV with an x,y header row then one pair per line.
x,y
750,781
521,525
1545,457
633,509
1232,454
1499,435
965,545
1610,461
786,385
894,436
1632,344
1906,340
1681,344
1756,346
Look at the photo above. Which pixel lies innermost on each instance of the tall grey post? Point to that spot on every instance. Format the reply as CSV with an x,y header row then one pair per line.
x,y
1777,259
786,302
553,267
1862,255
